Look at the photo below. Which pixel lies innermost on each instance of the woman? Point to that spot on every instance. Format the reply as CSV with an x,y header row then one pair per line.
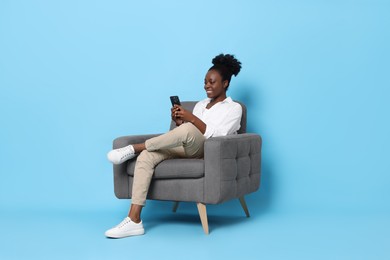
x,y
217,115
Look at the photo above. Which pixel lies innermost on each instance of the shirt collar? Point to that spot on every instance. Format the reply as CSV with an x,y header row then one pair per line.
x,y
226,100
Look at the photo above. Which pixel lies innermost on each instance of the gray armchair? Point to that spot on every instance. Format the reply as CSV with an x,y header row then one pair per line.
x,y
231,168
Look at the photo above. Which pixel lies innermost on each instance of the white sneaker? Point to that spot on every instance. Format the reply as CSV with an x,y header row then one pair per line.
x,y
118,156
125,229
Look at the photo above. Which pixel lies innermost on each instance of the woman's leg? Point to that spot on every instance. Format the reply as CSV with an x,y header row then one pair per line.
x,y
135,213
138,148
144,169
186,135
183,141
143,172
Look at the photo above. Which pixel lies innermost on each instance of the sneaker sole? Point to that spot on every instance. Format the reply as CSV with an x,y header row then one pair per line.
x,y
128,234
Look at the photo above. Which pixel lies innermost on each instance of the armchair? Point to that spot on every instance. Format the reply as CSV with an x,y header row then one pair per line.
x,y
231,168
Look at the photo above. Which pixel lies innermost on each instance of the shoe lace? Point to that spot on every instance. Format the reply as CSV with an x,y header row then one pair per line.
x,y
124,151
123,223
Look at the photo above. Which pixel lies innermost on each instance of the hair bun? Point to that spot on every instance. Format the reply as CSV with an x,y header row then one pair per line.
x,y
228,61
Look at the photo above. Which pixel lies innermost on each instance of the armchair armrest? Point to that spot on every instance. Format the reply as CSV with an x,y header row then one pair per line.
x,y
232,166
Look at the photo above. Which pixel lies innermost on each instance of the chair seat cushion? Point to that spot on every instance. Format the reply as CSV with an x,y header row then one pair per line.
x,y
175,169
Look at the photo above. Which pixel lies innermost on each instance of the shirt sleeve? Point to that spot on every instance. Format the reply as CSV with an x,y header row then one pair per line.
x,y
229,125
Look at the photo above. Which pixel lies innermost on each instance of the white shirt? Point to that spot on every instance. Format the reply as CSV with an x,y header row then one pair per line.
x,y
221,119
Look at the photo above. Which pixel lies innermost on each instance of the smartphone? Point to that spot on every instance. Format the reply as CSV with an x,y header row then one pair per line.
x,y
175,100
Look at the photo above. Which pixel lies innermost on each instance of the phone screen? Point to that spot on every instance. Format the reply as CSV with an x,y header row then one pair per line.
x,y
175,100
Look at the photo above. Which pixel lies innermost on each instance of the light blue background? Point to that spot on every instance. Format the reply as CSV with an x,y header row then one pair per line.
x,y
76,74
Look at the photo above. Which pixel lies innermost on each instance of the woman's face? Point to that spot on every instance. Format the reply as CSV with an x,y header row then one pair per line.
x,y
214,85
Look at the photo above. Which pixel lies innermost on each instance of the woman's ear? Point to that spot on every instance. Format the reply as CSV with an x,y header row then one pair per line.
x,y
225,84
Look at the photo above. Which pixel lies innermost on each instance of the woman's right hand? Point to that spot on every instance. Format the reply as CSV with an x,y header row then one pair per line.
x,y
174,112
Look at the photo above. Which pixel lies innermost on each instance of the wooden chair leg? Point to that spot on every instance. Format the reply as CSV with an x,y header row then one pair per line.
x,y
203,217
175,205
243,205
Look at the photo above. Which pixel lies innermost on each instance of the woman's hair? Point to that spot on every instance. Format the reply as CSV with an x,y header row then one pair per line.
x,y
227,65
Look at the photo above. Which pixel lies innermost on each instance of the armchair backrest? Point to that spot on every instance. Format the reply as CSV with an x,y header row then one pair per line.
x,y
189,105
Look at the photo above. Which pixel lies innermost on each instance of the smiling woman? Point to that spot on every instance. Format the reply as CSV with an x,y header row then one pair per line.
x,y
217,115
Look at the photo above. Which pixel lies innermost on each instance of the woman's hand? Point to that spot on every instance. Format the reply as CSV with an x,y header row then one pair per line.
x,y
180,113
180,116
174,115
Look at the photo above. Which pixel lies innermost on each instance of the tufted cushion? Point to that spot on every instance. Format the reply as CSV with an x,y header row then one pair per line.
x,y
175,169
